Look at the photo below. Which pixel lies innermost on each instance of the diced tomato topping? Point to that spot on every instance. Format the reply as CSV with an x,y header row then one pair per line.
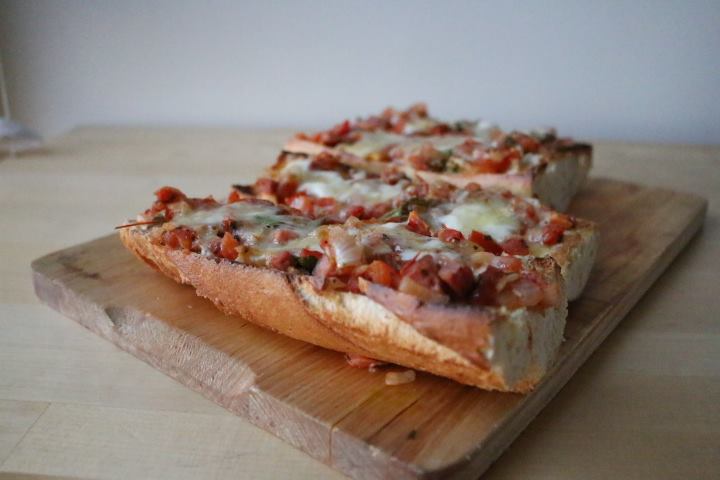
x,y
357,211
325,202
338,134
382,273
228,224
496,161
439,129
228,246
306,252
391,177
486,242
473,187
441,190
207,202
169,195
418,190
417,224
523,292
427,157
214,246
325,161
379,209
233,197
265,186
552,234
286,189
303,203
399,126
470,150
458,277
450,235
561,220
282,260
343,128
420,278
526,142
181,237
284,235
240,192
507,264
531,213
485,292
515,246
324,207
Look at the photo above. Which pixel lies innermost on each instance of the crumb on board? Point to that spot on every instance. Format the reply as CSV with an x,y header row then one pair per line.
x,y
399,378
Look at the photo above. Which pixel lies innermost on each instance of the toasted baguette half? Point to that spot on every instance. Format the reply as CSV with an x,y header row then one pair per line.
x,y
486,348
575,253
554,183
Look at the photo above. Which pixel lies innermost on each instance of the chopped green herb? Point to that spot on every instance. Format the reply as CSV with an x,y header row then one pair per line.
x,y
398,212
268,220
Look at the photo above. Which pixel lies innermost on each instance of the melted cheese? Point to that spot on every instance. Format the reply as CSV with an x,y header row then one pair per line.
x,y
411,244
493,218
372,142
376,141
358,189
256,224
242,211
442,142
484,130
419,125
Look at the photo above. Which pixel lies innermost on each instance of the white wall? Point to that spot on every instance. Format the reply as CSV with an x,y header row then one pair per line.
x,y
636,70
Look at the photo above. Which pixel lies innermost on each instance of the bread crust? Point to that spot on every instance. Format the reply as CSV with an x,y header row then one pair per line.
x,y
558,181
576,256
518,348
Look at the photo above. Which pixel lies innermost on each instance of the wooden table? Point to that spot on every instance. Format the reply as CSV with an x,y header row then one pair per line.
x,y
646,404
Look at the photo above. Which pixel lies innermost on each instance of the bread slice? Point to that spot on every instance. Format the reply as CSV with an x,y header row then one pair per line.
x,y
490,348
554,183
575,253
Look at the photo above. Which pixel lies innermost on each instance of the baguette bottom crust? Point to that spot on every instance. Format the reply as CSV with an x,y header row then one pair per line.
x,y
519,347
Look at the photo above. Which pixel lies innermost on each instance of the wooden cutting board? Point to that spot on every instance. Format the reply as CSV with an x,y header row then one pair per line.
x,y
346,417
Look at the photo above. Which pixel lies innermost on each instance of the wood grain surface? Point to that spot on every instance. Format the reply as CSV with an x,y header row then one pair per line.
x,y
644,405
344,417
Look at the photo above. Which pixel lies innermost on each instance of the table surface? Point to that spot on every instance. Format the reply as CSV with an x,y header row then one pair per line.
x,y
645,405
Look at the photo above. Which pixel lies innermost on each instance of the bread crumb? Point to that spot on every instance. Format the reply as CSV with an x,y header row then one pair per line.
x,y
399,378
